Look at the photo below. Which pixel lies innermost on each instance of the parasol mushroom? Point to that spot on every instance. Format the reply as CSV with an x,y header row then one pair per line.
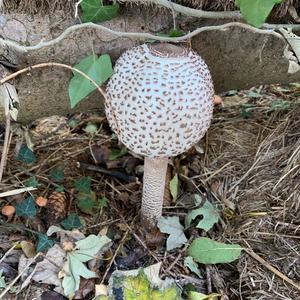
x,y
159,103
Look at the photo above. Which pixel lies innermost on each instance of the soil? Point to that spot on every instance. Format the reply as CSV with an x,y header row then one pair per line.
x,y
247,166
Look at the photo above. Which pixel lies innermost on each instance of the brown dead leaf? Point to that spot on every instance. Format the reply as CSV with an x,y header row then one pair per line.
x,y
100,154
47,270
154,239
85,287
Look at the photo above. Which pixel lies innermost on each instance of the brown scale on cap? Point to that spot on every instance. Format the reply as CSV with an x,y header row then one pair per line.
x,y
160,103
162,99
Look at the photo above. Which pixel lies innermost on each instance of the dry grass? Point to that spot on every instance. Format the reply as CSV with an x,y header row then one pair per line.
x,y
262,179
250,170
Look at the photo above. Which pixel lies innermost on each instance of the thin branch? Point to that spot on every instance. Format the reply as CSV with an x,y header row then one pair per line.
x,y
134,35
52,64
17,191
191,12
272,269
20,274
5,145
76,8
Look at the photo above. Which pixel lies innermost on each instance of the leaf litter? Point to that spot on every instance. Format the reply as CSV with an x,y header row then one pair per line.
x,y
248,168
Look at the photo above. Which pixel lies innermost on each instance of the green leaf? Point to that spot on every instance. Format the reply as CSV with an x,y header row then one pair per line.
x,y
2,281
75,269
209,213
131,286
176,33
102,202
189,262
86,202
174,187
71,222
199,296
60,188
207,251
32,181
117,153
246,110
95,11
256,11
172,226
85,250
57,175
91,128
88,247
44,243
83,185
26,155
26,208
99,69
279,105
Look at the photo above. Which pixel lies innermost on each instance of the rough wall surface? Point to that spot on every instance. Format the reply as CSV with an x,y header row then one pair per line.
x,y
239,57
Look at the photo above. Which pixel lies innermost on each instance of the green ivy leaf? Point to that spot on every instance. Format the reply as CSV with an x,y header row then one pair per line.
x,y
86,202
99,69
246,110
117,153
60,188
174,187
209,213
57,175
32,181
26,208
256,11
44,243
83,185
207,251
71,222
26,155
95,11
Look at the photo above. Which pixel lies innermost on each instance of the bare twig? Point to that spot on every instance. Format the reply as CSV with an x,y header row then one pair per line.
x,y
113,174
53,64
17,191
5,145
116,253
191,12
7,252
17,278
182,252
138,35
271,268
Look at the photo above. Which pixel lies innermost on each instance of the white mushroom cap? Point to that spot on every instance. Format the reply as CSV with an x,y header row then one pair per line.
x,y
160,99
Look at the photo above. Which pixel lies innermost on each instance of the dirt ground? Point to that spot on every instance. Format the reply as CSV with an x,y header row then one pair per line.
x,y
248,165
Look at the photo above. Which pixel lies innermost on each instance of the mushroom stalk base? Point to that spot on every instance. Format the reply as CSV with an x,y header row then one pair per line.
x,y
155,170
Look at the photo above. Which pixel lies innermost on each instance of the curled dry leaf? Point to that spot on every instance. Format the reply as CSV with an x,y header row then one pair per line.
x,y
41,201
47,270
28,249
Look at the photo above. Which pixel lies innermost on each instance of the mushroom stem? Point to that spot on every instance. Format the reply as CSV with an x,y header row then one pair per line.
x,y
155,170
